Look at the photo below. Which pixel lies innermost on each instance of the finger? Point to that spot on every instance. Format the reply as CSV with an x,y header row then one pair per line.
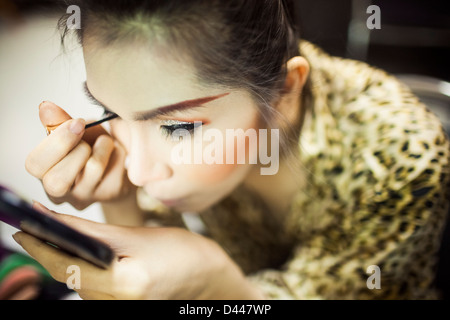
x,y
57,263
94,169
43,209
55,147
115,174
91,135
60,178
51,115
103,232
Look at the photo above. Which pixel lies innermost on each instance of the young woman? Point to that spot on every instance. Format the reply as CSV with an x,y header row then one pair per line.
x,y
354,209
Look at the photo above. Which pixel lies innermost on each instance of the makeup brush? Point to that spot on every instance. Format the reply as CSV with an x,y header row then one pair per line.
x,y
50,129
89,125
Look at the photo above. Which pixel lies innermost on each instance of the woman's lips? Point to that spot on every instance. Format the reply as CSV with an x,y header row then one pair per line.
x,y
167,202
171,202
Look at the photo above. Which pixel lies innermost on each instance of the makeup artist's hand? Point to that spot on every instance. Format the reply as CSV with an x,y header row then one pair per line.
x,y
152,263
77,166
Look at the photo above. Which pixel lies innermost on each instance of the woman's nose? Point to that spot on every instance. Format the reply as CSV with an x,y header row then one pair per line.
x,y
144,168
142,172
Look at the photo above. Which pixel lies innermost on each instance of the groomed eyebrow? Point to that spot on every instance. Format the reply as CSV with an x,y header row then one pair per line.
x,y
162,111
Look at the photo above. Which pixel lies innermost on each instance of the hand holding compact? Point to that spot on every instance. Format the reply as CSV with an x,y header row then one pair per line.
x,y
152,263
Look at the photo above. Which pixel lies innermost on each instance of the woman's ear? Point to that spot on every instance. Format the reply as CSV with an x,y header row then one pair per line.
x,y
289,104
297,74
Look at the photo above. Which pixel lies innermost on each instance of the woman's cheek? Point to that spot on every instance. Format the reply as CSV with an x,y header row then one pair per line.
x,y
211,174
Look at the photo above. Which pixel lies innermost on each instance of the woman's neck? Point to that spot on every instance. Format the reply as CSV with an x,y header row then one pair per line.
x,y
277,190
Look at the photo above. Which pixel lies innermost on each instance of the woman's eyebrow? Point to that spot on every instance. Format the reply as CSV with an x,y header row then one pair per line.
x,y
167,110
162,111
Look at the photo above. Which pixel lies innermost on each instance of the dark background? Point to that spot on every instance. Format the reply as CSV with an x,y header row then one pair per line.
x,y
414,39
414,35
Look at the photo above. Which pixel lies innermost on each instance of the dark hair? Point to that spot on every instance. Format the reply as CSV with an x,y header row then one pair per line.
x,y
236,43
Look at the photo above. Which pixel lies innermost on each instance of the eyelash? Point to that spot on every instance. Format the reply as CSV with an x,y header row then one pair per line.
x,y
168,130
107,113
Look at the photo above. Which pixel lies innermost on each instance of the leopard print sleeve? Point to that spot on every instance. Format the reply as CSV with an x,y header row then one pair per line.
x,y
389,188
398,230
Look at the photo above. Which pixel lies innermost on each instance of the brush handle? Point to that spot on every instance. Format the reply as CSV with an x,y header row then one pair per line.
x,y
50,129
100,121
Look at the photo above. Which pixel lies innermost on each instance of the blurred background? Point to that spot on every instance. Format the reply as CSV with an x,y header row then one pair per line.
x,y
413,43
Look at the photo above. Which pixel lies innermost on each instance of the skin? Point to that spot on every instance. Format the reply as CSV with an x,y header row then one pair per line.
x,y
196,186
84,166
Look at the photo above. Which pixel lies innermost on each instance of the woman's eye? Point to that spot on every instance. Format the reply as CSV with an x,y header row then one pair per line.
x,y
107,113
179,129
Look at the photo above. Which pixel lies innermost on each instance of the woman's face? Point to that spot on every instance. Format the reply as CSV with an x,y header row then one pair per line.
x,y
154,94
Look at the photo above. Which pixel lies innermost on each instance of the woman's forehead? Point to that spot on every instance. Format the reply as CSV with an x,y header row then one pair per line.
x,y
123,75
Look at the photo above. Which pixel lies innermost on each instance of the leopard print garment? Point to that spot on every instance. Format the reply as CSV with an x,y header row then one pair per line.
x,y
377,163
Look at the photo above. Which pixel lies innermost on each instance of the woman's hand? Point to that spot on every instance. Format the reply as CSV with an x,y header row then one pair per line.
x,y
151,263
77,166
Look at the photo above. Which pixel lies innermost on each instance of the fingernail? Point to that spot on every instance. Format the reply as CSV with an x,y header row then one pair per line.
x,y
77,126
16,238
42,104
39,206
34,204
